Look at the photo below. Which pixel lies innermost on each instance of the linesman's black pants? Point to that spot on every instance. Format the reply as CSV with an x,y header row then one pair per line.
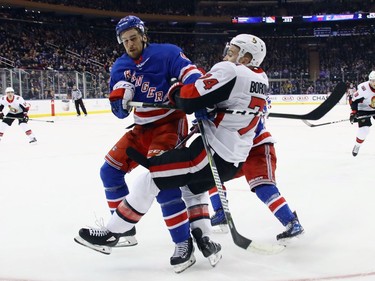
x,y
79,103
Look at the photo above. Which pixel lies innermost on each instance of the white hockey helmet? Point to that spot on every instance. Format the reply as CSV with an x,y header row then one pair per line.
x,y
9,89
250,44
371,79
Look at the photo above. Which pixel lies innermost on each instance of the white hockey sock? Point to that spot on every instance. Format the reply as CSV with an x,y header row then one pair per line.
x,y
26,128
362,134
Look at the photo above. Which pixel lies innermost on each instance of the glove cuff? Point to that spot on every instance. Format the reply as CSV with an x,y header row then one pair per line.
x,y
116,94
173,91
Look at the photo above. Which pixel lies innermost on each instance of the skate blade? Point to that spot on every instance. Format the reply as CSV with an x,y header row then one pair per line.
x,y
178,268
215,258
99,248
126,241
220,228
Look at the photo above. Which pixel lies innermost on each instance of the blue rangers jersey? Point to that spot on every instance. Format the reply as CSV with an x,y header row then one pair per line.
x,y
151,75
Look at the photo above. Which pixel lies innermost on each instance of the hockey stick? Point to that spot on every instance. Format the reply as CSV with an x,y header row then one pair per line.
x,y
30,119
323,124
316,114
170,106
338,121
321,110
192,132
238,239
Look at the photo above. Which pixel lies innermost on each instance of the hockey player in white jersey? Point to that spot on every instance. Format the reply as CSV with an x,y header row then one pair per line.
x,y
226,86
260,166
18,109
363,104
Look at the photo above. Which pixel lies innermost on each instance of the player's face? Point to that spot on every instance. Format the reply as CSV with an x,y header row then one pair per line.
x,y
372,83
133,42
10,95
232,54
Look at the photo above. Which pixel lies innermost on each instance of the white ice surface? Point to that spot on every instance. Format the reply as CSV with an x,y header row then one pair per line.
x,y
50,190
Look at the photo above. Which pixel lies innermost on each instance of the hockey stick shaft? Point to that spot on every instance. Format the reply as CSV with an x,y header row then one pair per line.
x,y
169,106
30,119
316,114
323,124
337,121
238,239
193,131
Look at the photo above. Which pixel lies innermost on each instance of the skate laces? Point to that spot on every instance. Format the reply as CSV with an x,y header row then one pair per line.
x,y
181,249
101,231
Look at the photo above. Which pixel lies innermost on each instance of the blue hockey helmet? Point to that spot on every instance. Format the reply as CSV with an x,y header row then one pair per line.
x,y
129,22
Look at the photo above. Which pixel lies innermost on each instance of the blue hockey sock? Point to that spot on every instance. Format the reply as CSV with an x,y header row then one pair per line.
x,y
175,214
115,187
270,195
215,198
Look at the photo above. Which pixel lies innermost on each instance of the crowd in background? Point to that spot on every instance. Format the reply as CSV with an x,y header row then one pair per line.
x,y
44,41
223,8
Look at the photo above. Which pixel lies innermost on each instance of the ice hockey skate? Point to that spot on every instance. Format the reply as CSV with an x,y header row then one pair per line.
x,y
183,256
219,222
209,249
100,240
293,230
127,239
33,141
355,150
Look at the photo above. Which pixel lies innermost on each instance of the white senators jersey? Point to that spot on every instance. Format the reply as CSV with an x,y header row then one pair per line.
x,y
365,92
231,135
17,105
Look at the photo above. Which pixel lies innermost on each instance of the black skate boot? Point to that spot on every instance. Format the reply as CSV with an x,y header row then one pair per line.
x,y
183,256
127,238
209,249
293,229
100,240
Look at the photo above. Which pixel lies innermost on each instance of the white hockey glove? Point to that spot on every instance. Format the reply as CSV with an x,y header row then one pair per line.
x,y
122,93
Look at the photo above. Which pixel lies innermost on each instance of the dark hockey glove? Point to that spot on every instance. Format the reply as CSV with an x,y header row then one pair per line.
x,y
207,113
1,115
173,90
353,116
25,117
122,93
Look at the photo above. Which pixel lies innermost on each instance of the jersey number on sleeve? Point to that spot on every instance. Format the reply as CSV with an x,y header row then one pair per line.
x,y
208,83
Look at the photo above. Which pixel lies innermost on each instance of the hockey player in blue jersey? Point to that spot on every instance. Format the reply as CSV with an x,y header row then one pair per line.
x,y
143,74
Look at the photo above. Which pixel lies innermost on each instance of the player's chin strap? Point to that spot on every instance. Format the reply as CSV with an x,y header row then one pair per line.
x,y
238,239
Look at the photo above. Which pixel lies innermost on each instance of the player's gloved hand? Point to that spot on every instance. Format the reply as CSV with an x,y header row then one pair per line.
x,y
122,93
353,116
207,113
25,117
1,115
173,90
